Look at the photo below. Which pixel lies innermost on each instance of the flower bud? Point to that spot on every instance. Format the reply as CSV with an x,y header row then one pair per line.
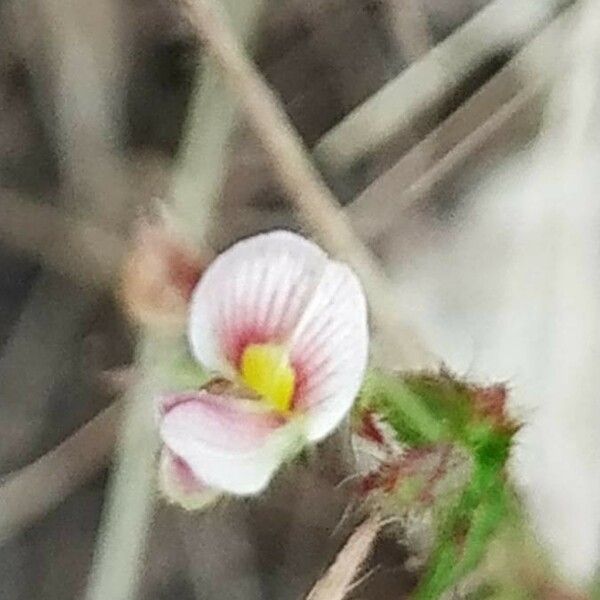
x,y
159,276
178,484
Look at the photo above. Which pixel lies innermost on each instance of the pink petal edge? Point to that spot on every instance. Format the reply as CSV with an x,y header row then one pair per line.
x,y
232,444
179,485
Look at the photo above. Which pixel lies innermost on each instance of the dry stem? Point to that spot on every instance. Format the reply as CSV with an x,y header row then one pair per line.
x,y
421,87
72,247
339,578
473,124
32,491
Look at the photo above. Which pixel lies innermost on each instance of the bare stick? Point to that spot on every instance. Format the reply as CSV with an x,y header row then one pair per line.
x,y
200,168
339,578
443,167
409,24
42,339
422,86
31,492
84,42
116,567
315,203
461,134
72,247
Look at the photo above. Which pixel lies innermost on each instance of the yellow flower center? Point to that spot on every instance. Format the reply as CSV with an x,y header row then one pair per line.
x,y
266,369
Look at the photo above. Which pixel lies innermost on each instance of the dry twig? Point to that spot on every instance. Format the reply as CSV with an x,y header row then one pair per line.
x,y
339,578
442,168
81,250
31,492
421,87
200,168
409,24
477,121
83,42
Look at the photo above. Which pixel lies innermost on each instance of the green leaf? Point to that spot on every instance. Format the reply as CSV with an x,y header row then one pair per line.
x,y
404,410
427,409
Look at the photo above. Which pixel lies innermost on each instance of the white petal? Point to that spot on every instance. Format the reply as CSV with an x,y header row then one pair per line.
x,y
254,292
330,350
280,288
230,444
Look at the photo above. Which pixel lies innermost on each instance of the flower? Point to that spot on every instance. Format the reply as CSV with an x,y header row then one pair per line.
x,y
284,329
159,275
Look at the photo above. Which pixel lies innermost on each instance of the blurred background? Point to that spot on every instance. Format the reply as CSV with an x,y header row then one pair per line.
x,y
461,137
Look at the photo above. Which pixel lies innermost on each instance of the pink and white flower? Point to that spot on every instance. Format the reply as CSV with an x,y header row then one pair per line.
x,y
284,328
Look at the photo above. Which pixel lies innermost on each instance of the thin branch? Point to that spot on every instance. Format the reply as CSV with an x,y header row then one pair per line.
x,y
31,492
75,248
315,203
33,359
83,41
421,87
409,24
116,568
200,168
464,132
410,29
339,579
442,168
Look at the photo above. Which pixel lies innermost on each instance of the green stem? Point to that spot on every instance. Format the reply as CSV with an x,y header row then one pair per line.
x,y
464,537
195,189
